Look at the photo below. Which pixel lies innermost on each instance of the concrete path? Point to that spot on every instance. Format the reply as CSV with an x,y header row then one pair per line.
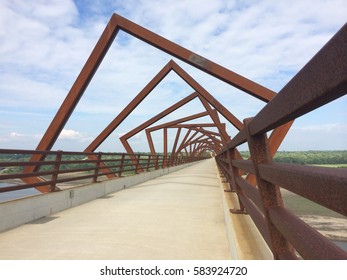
x,y
176,216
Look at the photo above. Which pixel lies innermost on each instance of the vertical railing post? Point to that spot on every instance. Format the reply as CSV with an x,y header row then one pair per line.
x,y
164,162
137,163
121,165
233,184
270,193
55,171
157,162
148,162
97,167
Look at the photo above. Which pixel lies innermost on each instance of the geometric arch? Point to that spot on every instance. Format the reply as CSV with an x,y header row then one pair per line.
x,y
115,24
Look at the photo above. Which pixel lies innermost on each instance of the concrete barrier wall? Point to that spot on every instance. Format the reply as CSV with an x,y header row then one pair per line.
x,y
20,211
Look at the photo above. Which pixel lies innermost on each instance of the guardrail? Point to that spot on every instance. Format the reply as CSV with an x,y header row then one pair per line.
x,y
321,81
61,167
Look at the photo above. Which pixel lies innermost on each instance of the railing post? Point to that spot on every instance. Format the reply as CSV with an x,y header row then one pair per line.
x,y
137,163
164,162
97,167
270,193
55,171
148,162
232,182
121,166
157,162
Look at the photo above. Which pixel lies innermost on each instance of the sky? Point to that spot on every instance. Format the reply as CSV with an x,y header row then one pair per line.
x,y
45,43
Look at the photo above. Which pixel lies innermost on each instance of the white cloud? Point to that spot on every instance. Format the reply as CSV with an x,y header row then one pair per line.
x,y
69,134
15,134
324,128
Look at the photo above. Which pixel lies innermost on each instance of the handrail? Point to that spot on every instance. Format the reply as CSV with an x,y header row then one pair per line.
x,y
321,81
52,171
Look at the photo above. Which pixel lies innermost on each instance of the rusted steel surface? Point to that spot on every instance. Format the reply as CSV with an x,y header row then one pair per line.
x,y
257,217
207,96
193,59
326,186
215,145
129,108
251,192
322,80
308,242
246,165
270,193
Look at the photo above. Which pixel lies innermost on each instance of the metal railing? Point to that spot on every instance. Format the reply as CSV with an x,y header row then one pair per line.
x,y
321,81
62,167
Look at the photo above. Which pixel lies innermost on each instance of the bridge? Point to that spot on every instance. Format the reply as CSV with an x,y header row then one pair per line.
x,y
202,200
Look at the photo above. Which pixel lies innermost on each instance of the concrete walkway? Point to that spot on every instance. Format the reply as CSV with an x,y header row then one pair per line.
x,y
176,216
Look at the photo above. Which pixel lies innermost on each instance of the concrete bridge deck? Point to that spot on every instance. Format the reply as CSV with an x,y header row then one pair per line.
x,y
176,216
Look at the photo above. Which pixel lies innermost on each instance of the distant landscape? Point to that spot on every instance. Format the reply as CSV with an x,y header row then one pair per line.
x,y
323,158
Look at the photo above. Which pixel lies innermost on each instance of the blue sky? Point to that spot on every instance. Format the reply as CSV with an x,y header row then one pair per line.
x,y
45,43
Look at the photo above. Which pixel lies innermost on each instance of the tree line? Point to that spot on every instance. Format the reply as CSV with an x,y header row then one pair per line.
x,y
308,157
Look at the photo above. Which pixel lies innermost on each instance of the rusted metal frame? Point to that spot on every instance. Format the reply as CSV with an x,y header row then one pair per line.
x,y
201,92
156,162
194,125
258,219
186,151
191,141
214,116
55,171
275,140
223,171
193,59
322,80
75,93
150,143
231,154
184,140
203,145
207,96
307,241
154,119
187,140
194,149
188,118
270,193
165,140
178,133
71,100
121,165
199,143
103,167
97,168
209,146
137,164
205,133
148,162
251,192
199,127
98,54
212,145
246,165
223,162
130,107
208,133
325,186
